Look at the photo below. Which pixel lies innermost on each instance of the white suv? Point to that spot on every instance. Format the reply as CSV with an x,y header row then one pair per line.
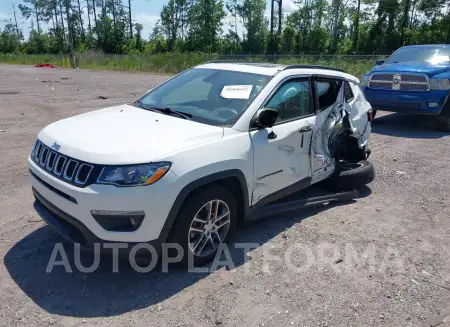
x,y
197,154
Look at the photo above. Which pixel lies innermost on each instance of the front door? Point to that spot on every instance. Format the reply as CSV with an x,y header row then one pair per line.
x,y
282,153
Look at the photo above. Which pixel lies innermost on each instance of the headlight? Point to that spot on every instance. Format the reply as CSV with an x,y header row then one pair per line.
x,y
134,175
439,84
364,80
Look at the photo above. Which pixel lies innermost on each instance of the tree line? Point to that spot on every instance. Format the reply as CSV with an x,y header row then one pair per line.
x,y
230,26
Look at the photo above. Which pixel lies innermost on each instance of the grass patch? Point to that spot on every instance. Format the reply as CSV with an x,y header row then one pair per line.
x,y
172,63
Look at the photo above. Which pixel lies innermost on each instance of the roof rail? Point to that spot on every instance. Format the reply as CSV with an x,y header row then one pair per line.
x,y
313,67
227,61
241,62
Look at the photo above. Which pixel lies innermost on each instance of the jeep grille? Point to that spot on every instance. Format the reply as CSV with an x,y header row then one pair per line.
x,y
70,170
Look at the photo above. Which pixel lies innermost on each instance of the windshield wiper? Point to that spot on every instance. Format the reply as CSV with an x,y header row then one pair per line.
x,y
171,112
166,111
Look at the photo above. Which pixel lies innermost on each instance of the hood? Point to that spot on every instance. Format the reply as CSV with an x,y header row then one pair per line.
x,y
412,67
125,135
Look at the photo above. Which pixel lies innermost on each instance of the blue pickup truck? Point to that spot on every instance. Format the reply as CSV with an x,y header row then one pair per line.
x,y
414,79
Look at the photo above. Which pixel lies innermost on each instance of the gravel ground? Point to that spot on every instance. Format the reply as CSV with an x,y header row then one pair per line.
x,y
400,226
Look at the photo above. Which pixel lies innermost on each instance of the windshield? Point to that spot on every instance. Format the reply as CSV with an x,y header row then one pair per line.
x,y
422,54
211,96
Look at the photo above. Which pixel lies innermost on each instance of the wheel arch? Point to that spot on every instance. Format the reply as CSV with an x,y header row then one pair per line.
x,y
234,180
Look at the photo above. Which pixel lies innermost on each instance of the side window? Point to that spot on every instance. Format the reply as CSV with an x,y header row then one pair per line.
x,y
291,100
348,93
327,91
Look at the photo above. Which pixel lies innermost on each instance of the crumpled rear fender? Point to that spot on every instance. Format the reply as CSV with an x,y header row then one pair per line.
x,y
334,126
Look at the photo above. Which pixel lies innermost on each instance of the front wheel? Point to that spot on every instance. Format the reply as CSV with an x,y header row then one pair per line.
x,y
206,220
351,176
443,122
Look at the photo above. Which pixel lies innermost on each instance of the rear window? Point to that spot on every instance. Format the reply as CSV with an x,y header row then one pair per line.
x,y
348,93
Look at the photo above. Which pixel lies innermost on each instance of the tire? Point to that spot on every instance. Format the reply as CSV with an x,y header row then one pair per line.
x,y
443,120
194,206
351,176
443,123
374,113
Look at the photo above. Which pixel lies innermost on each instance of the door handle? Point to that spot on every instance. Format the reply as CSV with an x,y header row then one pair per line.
x,y
305,129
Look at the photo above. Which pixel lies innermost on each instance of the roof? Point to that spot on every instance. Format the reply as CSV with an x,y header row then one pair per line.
x,y
261,68
247,67
427,46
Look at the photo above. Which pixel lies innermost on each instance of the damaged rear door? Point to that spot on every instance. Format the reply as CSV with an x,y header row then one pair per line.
x,y
329,101
282,159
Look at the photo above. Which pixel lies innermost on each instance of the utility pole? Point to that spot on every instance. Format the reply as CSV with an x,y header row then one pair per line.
x,y
129,19
272,3
279,15
272,14
69,28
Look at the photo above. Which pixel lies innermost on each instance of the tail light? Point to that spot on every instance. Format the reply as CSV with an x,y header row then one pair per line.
x,y
370,115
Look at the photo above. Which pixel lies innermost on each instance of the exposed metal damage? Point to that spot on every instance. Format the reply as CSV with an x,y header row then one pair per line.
x,y
322,122
341,127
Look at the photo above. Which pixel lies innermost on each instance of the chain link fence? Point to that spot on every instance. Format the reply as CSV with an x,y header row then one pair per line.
x,y
176,62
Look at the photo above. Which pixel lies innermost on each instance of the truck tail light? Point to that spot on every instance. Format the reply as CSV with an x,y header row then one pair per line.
x,y
370,115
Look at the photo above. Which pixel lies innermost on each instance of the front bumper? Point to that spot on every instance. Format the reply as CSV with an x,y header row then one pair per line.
x,y
407,102
74,231
64,200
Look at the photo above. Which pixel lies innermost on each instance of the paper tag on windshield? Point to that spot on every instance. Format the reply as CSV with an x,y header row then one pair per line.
x,y
236,91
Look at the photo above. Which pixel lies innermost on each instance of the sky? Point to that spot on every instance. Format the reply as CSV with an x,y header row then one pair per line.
x,y
145,12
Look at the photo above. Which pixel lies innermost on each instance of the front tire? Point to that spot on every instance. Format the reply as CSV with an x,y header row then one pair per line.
x,y
206,220
443,120
443,123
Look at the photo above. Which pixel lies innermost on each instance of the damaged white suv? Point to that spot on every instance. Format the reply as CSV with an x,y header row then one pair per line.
x,y
199,153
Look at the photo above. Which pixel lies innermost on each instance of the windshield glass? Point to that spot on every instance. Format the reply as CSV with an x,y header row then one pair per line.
x,y
422,54
211,96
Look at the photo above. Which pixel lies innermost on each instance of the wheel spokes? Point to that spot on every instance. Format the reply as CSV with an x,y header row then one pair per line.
x,y
207,233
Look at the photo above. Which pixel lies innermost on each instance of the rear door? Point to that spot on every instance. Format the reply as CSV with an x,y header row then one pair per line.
x,y
329,99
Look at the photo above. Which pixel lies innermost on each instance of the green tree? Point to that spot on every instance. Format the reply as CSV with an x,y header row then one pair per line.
x,y
205,24
252,17
30,9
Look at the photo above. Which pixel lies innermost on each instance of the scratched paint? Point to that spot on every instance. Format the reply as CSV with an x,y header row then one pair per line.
x,y
288,149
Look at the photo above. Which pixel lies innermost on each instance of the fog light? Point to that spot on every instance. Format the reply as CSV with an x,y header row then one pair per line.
x,y
433,104
133,222
118,220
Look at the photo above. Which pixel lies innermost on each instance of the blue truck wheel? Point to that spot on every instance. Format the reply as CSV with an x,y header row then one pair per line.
x,y
443,120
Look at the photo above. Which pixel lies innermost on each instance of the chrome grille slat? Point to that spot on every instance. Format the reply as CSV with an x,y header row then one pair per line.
x,y
77,175
55,170
38,151
412,82
44,156
49,164
65,175
65,168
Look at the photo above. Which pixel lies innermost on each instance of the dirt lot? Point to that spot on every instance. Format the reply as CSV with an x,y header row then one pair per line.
x,y
402,223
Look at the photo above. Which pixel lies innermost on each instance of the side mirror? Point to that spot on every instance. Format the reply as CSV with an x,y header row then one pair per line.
x,y
380,62
266,117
